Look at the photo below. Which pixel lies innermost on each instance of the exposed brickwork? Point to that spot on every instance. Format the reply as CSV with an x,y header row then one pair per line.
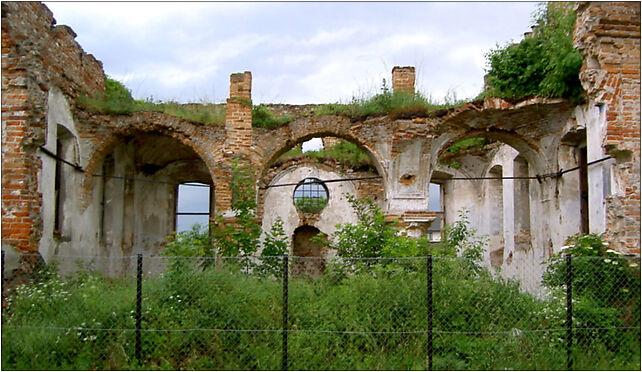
x,y
403,79
238,113
36,54
608,36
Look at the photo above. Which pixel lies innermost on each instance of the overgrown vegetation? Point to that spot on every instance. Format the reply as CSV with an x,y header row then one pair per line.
x,y
466,144
543,64
118,100
352,318
606,289
262,117
397,105
348,154
372,236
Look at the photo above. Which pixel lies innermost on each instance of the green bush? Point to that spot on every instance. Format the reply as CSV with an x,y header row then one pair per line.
x,y
605,288
543,64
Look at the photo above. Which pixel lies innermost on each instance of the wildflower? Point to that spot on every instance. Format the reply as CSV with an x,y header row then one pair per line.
x,y
607,260
614,262
565,247
633,265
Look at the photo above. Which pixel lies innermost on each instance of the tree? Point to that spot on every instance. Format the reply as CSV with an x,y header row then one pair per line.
x,y
544,63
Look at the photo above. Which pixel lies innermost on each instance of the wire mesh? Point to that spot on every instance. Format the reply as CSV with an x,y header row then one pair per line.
x,y
227,313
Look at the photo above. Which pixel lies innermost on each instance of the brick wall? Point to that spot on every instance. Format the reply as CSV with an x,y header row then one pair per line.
x,y
403,79
608,36
36,55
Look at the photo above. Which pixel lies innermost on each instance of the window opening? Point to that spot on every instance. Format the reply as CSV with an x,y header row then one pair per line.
x,y
310,195
435,205
193,205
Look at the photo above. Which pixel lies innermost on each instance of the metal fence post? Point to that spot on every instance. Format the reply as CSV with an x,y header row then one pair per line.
x,y
569,313
139,300
284,363
429,297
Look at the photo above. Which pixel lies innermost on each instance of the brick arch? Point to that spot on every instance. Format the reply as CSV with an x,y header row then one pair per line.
x,y
280,140
174,128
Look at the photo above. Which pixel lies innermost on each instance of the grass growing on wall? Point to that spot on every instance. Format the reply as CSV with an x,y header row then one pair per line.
x,y
346,153
262,117
118,100
397,105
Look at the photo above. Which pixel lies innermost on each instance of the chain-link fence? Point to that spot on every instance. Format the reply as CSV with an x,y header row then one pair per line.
x,y
307,313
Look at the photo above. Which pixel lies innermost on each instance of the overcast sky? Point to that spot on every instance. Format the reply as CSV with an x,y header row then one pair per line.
x,y
297,52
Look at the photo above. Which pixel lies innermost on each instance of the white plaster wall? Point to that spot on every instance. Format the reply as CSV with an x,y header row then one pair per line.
x,y
79,228
414,196
594,119
279,203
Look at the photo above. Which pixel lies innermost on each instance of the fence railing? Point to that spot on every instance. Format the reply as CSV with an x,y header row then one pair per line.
x,y
312,313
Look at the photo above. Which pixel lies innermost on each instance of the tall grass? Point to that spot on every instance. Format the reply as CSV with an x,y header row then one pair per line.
x,y
357,316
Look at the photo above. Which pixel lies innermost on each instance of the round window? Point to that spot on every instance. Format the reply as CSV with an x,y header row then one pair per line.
x,y
311,195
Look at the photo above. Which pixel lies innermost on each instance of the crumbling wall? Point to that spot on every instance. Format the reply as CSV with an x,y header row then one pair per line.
x,y
36,56
608,36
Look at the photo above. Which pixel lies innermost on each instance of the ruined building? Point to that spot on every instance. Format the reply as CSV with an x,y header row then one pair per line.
x,y
99,203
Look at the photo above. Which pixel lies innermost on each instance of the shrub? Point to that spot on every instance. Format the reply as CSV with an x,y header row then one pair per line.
x,y
605,287
544,64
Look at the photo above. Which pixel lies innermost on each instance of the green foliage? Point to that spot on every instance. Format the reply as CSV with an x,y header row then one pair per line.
x,y
190,243
242,237
467,143
544,64
397,105
275,244
373,235
332,323
308,204
605,287
348,154
118,100
262,117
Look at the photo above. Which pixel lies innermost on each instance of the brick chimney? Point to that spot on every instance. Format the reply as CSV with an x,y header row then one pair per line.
x,y
403,79
238,114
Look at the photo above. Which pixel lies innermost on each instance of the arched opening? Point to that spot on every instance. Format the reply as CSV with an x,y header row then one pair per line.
x,y
309,257
142,180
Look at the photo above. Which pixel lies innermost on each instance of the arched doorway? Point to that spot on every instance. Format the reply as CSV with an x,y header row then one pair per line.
x,y
309,256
